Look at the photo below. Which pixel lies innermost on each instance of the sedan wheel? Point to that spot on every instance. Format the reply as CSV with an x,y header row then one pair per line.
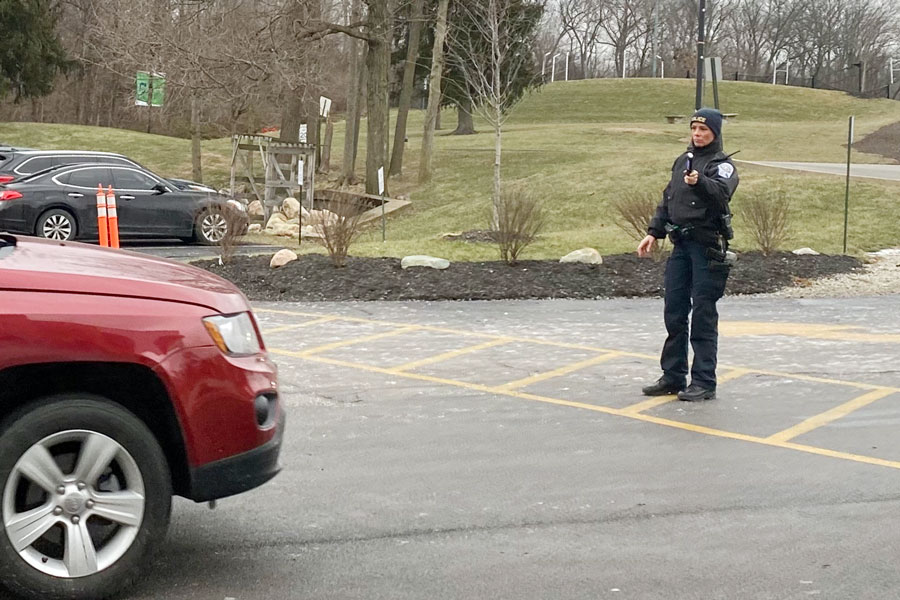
x,y
56,224
213,226
85,495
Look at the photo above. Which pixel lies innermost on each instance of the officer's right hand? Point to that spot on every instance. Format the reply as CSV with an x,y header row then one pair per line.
x,y
646,246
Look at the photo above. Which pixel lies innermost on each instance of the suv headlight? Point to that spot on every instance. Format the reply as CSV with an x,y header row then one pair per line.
x,y
233,334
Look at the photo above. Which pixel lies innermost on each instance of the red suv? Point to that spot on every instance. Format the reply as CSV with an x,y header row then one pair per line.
x,y
124,379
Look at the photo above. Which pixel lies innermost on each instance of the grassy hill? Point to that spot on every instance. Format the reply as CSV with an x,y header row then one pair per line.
x,y
578,145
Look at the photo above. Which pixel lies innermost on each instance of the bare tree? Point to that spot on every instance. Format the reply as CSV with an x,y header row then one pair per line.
x,y
416,21
434,91
492,69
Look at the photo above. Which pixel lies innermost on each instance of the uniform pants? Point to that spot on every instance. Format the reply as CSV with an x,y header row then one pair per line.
x,y
692,285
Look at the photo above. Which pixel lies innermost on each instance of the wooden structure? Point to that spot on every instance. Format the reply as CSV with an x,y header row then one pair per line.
x,y
288,168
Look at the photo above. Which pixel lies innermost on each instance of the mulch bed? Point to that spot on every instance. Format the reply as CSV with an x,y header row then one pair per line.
x,y
313,278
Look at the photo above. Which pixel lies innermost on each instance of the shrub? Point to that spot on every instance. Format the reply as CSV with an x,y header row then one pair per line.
x,y
341,230
766,214
632,212
517,222
235,221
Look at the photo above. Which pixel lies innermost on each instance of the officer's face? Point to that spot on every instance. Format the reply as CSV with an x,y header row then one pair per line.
x,y
701,135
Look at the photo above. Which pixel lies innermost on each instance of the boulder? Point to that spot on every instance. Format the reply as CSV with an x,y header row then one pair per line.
x,y
255,228
423,260
255,209
286,230
290,208
275,220
304,214
282,257
588,256
806,251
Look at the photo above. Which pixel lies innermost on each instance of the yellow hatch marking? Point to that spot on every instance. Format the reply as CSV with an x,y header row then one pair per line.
x,y
564,370
828,416
606,410
448,355
298,325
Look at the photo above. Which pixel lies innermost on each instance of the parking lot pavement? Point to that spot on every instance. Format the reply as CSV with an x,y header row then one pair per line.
x,y
503,450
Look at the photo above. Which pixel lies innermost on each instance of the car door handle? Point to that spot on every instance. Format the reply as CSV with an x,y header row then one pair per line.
x,y
127,197
75,195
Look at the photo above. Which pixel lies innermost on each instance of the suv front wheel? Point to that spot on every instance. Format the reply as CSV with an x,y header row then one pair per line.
x,y
86,496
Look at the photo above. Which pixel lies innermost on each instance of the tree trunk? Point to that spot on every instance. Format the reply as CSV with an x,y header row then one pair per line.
x,y
434,91
351,134
325,165
196,159
406,92
465,124
377,65
291,116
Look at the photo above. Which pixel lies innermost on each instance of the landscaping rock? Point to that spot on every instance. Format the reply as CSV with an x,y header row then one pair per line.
x,y
255,209
805,252
282,257
290,208
588,256
423,260
255,228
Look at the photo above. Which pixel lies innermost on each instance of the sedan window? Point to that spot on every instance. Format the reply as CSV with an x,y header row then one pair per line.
x,y
131,179
90,177
33,165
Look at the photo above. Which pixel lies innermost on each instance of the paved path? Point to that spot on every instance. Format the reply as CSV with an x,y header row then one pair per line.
x,y
461,450
889,172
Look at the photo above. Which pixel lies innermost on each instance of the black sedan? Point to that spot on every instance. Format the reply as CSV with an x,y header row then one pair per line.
x,y
60,203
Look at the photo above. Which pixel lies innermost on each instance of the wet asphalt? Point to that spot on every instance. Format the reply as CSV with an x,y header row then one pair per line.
x,y
458,450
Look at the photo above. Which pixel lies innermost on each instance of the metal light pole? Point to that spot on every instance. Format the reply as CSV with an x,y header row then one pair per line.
x,y
567,66
662,68
701,33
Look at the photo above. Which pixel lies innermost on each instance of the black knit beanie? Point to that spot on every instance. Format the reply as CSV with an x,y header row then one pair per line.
x,y
711,118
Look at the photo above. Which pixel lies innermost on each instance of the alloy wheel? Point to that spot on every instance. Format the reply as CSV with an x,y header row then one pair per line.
x,y
213,226
73,503
57,227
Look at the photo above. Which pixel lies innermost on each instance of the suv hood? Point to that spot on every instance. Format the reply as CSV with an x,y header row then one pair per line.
x,y
35,264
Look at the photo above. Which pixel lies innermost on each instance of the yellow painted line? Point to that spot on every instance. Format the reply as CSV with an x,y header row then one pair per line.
x,y
849,333
781,374
606,410
564,370
734,373
651,403
354,341
447,355
298,325
640,407
830,415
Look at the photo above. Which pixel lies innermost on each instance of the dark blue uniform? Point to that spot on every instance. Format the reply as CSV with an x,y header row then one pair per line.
x,y
693,280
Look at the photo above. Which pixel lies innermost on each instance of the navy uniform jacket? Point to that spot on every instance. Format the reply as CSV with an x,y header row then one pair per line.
x,y
700,205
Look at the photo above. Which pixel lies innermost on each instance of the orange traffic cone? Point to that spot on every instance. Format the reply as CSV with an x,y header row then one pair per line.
x,y
101,217
113,217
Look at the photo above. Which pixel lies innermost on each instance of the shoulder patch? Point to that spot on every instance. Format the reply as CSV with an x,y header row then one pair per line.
x,y
726,170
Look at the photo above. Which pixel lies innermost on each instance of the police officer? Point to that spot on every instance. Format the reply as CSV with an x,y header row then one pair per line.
x,y
693,212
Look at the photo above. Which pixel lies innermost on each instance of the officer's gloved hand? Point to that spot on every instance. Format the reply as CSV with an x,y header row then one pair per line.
x,y
691,178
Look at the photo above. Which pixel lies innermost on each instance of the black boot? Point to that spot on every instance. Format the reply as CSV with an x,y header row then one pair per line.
x,y
662,387
695,393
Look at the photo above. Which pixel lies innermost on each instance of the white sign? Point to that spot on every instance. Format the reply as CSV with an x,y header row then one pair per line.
x,y
302,134
707,68
300,171
380,180
324,106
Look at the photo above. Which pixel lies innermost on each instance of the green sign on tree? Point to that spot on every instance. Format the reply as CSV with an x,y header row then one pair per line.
x,y
151,89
